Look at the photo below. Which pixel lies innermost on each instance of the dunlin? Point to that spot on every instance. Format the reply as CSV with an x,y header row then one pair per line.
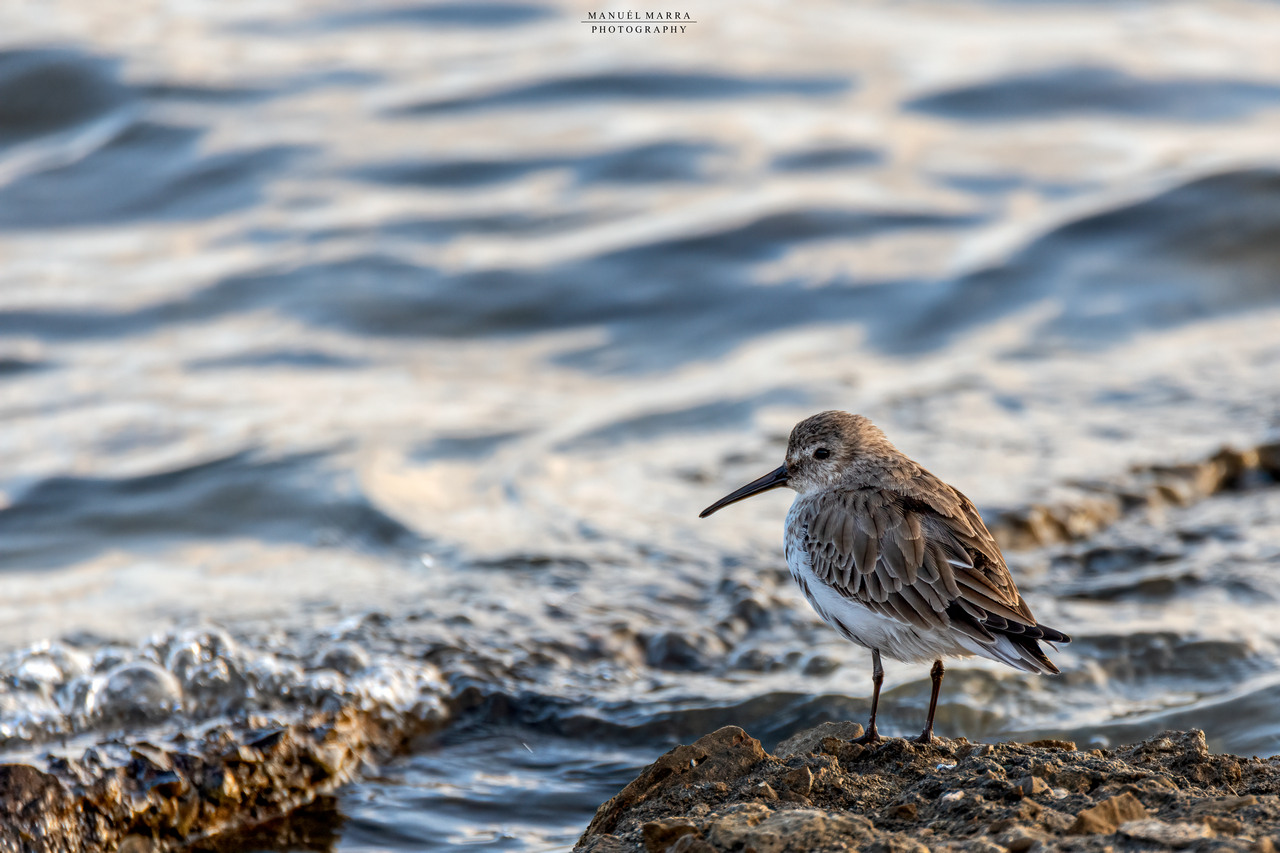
x,y
895,559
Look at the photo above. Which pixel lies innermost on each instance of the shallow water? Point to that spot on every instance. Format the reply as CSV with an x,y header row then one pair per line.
x,y
387,356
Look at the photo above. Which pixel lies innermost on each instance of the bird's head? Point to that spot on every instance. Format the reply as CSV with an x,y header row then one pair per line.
x,y
821,449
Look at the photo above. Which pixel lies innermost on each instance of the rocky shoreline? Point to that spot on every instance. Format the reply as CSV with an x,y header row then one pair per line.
x,y
819,791
1097,505
197,795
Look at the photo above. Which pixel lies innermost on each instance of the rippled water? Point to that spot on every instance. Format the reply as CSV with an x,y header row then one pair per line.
x,y
386,355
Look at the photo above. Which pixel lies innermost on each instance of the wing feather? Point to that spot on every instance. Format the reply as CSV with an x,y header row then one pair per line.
x,y
866,550
912,542
921,555
847,527
892,560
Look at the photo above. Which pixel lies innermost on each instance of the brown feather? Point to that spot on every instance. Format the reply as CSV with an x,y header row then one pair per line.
x,y
880,519
946,572
914,540
847,527
847,569
823,524
868,554
932,594
932,617
986,602
891,557
874,590
903,610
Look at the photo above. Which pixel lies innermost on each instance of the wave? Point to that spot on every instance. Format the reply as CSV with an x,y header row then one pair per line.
x,y
63,520
1093,89
631,86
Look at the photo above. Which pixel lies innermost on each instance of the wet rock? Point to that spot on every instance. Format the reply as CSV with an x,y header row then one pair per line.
x,y
676,651
1102,504
346,658
1269,458
164,795
820,791
820,665
33,800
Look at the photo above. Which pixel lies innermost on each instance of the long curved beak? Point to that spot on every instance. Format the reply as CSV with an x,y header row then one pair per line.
x,y
772,480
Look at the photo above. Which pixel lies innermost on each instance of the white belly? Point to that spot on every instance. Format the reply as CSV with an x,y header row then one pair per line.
x,y
891,637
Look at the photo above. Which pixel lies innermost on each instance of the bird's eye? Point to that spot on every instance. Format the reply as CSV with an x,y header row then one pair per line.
x,y
821,453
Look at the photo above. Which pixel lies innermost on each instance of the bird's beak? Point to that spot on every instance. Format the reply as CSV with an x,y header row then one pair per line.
x,y
772,480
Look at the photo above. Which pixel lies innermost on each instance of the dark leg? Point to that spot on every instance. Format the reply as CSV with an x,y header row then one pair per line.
x,y
936,674
877,678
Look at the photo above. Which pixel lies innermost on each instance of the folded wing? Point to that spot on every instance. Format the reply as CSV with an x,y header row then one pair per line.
x,y
926,561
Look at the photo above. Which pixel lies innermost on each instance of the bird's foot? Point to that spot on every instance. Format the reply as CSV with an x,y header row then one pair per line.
x,y
926,737
869,737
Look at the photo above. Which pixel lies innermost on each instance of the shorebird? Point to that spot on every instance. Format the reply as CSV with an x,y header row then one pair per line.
x,y
894,559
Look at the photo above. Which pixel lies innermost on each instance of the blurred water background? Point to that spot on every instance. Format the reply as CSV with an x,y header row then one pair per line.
x,y
386,353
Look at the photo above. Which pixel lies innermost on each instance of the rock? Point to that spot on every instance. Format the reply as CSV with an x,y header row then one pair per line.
x,y
764,791
1020,839
1033,785
746,827
1223,825
810,740
690,844
904,811
33,800
726,753
982,845
1149,487
607,844
1106,817
661,834
236,777
799,781
683,652
1065,745
714,796
1223,805
820,665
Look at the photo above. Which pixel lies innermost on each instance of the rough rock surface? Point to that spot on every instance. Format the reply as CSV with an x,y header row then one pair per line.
x,y
1102,503
186,796
822,792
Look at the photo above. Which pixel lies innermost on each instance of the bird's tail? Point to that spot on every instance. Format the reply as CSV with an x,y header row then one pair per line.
x,y
1020,649
1027,647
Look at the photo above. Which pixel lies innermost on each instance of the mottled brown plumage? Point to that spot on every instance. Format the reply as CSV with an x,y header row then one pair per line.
x,y
895,559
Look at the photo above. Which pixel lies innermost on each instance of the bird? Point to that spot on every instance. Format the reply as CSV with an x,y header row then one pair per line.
x,y
894,559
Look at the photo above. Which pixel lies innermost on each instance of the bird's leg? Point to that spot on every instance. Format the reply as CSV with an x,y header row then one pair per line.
x,y
936,674
877,678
